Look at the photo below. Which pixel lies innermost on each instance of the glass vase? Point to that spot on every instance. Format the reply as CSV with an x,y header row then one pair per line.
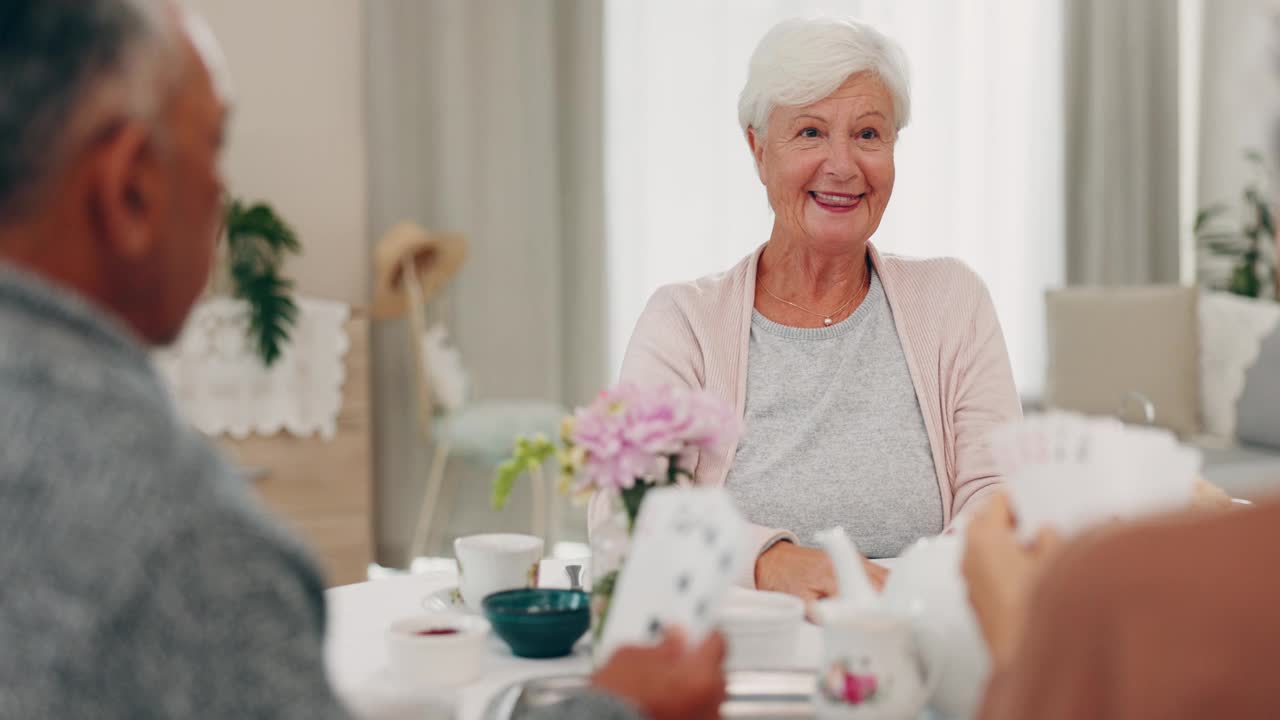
x,y
610,544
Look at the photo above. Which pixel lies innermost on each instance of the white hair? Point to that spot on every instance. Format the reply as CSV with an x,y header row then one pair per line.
x,y
802,61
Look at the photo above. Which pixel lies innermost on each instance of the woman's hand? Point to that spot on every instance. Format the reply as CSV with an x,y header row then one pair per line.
x,y
1000,572
805,572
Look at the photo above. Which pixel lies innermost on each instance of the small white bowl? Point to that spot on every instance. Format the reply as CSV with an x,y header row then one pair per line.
x,y
761,629
418,654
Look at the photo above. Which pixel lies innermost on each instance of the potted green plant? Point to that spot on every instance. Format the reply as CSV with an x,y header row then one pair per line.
x,y
258,241
1248,243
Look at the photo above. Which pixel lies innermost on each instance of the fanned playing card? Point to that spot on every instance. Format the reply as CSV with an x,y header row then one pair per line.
x,y
1070,472
688,547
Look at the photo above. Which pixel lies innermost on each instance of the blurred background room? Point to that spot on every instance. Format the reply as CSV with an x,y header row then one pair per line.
x,y
1105,166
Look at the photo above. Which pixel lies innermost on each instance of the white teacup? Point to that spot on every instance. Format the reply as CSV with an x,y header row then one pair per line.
x,y
872,667
495,562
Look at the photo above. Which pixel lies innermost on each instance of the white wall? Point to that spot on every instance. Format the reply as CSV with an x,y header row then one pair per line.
x,y
297,135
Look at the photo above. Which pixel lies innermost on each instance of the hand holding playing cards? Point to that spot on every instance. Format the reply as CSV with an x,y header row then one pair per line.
x,y
805,572
1072,472
1210,497
1000,572
669,680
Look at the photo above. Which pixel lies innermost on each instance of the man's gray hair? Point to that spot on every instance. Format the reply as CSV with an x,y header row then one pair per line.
x,y
800,62
67,69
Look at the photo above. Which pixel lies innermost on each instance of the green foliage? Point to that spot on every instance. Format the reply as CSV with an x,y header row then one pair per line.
x,y
601,599
529,454
1250,244
632,497
257,243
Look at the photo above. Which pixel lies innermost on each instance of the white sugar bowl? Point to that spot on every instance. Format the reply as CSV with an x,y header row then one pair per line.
x,y
761,629
437,649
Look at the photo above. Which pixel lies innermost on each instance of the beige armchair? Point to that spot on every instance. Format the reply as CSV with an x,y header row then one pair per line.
x,y
1157,355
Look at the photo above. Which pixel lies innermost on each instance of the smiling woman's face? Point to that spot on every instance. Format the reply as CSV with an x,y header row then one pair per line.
x,y
828,167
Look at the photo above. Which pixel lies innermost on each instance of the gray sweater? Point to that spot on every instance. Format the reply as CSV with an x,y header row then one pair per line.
x,y
138,576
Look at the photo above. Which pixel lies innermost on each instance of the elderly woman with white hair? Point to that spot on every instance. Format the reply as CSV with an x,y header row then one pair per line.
x,y
866,383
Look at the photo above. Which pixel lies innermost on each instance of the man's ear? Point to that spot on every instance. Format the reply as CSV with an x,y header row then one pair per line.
x,y
756,144
126,190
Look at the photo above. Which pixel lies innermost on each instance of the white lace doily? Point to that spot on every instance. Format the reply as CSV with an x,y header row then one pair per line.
x,y
222,387
1231,332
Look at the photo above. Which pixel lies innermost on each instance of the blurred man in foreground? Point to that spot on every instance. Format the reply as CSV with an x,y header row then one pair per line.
x,y
140,577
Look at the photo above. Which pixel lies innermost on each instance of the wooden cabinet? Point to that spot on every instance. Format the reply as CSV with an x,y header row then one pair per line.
x,y
323,489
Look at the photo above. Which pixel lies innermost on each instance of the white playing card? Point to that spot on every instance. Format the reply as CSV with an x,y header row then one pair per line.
x,y
688,547
1070,472
1024,452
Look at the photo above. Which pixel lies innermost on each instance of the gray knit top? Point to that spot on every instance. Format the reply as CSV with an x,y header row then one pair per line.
x,y
834,435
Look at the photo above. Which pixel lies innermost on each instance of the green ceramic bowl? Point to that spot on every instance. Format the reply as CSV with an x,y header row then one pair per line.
x,y
539,623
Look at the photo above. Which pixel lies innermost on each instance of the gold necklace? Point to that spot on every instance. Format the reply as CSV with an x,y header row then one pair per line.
x,y
826,317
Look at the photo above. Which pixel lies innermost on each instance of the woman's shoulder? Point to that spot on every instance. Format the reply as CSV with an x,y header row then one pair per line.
x,y
942,296
686,323
931,275
705,296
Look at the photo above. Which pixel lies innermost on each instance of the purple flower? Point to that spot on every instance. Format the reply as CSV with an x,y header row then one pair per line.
x,y
632,434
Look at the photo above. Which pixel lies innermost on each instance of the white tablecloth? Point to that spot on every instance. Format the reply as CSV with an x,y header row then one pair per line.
x,y
356,656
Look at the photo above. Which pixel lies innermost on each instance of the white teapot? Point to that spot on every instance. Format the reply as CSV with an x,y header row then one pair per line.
x,y
926,589
874,665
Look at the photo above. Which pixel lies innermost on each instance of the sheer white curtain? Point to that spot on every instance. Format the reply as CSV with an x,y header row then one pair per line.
x,y
979,170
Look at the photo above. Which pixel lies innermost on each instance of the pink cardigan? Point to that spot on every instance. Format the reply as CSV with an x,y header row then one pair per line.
x,y
695,335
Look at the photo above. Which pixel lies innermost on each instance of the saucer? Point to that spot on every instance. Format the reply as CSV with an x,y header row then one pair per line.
x,y
447,599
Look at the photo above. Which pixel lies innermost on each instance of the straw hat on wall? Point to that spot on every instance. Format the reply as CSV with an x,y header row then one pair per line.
x,y
436,258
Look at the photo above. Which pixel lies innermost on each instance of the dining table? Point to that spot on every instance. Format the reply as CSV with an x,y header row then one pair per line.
x,y
357,661
356,655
